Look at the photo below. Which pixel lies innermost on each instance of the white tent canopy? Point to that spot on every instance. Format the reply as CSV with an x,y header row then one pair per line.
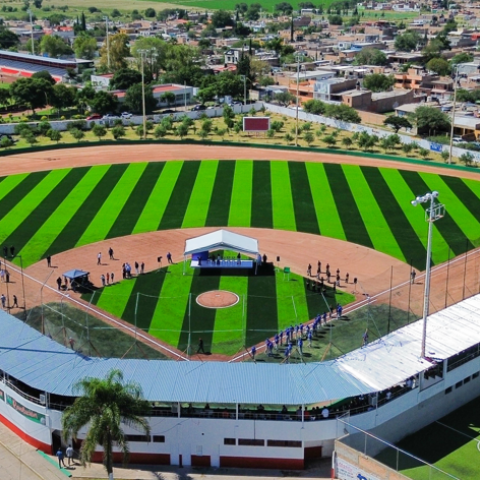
x,y
219,240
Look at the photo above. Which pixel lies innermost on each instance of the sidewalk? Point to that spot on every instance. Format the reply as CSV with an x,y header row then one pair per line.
x,y
21,461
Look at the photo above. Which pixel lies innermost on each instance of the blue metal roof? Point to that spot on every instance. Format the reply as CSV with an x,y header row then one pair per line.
x,y
45,365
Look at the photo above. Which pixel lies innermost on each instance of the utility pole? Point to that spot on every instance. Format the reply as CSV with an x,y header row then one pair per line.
x,y
108,43
31,31
298,56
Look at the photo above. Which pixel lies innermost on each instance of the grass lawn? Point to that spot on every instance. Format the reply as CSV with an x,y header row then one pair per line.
x,y
92,337
450,444
49,212
277,139
163,303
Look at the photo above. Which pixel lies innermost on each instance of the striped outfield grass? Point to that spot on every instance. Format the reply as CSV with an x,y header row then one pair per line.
x,y
163,303
49,212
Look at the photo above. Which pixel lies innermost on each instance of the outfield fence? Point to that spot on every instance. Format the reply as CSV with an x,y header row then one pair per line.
x,y
368,456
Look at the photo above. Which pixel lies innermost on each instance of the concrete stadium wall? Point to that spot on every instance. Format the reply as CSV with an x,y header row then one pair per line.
x,y
350,464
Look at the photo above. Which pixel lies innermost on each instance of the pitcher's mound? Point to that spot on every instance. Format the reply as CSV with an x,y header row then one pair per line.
x,y
217,299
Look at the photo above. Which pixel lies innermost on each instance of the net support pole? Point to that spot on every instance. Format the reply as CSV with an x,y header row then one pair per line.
x,y
465,268
184,262
135,317
390,301
294,308
189,324
446,281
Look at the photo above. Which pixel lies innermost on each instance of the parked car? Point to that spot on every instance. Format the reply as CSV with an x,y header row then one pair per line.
x,y
196,108
94,116
126,115
169,110
110,116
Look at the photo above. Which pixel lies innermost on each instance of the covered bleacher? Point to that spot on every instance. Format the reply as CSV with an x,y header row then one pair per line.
x,y
201,248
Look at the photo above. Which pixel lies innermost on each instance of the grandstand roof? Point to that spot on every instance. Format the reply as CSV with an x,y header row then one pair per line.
x,y
42,363
25,57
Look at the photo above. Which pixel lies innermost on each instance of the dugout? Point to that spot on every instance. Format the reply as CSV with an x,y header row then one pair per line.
x,y
200,249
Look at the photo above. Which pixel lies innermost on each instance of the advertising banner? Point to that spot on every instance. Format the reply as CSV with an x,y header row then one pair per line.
x,y
348,471
26,412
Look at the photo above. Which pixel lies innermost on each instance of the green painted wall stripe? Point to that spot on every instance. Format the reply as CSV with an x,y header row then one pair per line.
x,y
154,209
261,195
178,203
114,299
219,209
45,236
173,298
17,189
304,208
22,210
197,210
241,205
131,211
87,211
326,211
229,320
202,320
377,226
447,227
282,201
44,209
352,222
111,208
456,209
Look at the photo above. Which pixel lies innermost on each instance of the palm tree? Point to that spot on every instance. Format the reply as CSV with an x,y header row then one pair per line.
x,y
104,406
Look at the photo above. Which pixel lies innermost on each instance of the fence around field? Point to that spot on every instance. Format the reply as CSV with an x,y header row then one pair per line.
x,y
368,456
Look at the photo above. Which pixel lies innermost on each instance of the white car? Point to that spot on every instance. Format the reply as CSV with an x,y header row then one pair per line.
x,y
110,117
126,115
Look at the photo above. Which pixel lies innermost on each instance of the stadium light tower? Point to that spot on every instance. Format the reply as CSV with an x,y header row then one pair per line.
x,y
31,31
433,213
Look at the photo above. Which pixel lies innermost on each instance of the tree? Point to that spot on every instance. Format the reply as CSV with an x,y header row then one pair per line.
x,y
181,130
439,65
347,142
445,154
370,56
317,107
31,91
222,19
118,132
150,13
168,97
103,102
342,112
54,46
424,153
431,120
308,137
397,123
154,61
335,20
8,39
6,142
133,99
103,406
99,130
407,41
77,134
45,75
377,82
283,8
119,51
54,135
125,78
407,148
466,158
284,98
63,96
85,47
463,57
330,140
160,131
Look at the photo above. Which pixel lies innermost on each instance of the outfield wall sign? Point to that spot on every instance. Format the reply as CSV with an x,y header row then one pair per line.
x,y
256,124
347,471
436,147
26,412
